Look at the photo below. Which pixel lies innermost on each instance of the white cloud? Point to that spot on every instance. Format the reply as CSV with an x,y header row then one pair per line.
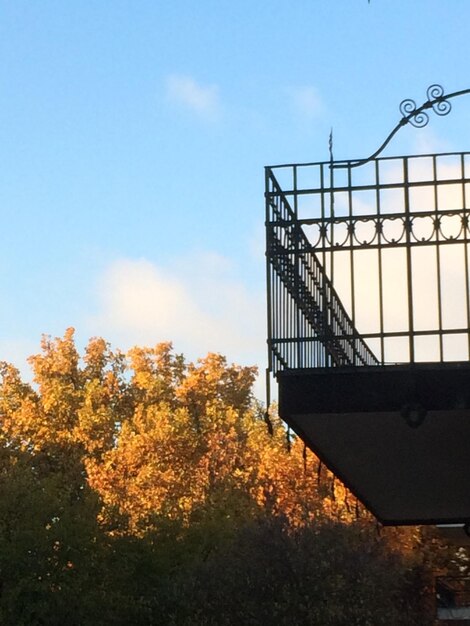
x,y
427,141
307,102
257,243
202,99
198,304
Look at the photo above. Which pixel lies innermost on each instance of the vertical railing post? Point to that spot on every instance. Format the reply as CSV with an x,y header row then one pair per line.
x,y
465,230
409,267
380,262
298,268
268,268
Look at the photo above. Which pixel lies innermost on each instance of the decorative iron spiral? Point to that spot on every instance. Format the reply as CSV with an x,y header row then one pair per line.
x,y
436,96
437,100
416,117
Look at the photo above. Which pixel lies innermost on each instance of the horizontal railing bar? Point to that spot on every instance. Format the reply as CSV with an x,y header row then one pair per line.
x,y
376,217
371,187
385,335
389,158
374,246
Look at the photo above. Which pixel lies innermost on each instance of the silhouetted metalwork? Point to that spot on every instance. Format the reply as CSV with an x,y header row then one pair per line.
x,y
437,100
402,211
368,277
308,320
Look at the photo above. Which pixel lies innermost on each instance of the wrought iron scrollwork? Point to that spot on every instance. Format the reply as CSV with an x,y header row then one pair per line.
x,y
439,102
419,228
418,117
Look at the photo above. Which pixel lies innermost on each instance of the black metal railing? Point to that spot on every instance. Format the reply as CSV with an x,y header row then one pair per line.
x,y
369,264
309,327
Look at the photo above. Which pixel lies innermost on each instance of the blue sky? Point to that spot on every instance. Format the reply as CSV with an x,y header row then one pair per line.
x,y
133,136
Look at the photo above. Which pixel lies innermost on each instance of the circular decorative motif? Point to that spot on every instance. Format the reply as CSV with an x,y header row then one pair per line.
x,y
416,117
437,101
387,230
435,91
440,105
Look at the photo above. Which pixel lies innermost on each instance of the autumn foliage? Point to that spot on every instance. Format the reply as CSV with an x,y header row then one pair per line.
x,y
141,489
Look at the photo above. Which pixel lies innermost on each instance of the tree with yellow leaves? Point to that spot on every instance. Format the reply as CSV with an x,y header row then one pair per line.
x,y
136,475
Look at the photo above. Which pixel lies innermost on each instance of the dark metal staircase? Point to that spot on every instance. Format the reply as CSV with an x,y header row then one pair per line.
x,y
306,282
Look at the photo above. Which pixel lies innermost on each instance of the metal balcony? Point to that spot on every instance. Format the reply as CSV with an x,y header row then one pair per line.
x,y
368,325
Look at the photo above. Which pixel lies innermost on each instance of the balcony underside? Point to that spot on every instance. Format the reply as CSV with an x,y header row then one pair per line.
x,y
397,436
